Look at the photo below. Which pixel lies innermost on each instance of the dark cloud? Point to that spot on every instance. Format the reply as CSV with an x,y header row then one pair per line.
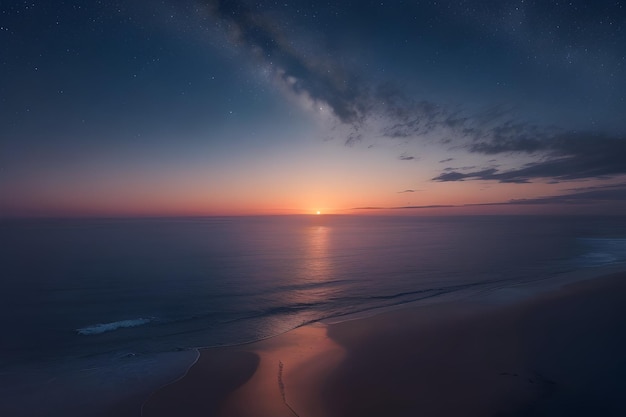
x,y
368,208
443,161
405,207
597,187
406,191
485,174
462,168
406,157
562,157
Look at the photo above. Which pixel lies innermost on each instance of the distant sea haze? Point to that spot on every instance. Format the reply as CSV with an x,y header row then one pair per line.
x,y
100,293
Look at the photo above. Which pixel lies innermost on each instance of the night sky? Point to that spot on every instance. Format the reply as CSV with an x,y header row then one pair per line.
x,y
112,108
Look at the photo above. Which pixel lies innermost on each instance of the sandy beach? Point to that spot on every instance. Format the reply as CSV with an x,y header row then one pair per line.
x,y
558,354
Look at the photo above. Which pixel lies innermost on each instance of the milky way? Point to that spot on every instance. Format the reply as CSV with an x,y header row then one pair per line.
x,y
98,96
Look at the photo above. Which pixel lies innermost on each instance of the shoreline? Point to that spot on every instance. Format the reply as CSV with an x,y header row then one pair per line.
x,y
308,360
558,354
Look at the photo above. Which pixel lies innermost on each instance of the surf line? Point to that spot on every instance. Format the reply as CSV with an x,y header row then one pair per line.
x,y
281,388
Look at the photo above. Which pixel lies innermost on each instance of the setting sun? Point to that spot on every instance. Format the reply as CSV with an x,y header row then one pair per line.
x,y
318,212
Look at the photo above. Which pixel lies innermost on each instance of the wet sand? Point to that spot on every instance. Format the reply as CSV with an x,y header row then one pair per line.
x,y
561,353
208,381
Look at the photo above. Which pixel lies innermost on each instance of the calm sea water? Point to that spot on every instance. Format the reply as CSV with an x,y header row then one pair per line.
x,y
97,301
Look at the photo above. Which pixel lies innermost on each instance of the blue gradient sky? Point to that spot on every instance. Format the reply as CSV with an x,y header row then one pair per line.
x,y
236,107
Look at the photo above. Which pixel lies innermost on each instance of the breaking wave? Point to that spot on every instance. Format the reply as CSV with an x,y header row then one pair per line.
x,y
109,327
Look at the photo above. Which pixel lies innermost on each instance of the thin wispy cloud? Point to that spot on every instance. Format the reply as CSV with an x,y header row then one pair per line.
x,y
591,195
406,157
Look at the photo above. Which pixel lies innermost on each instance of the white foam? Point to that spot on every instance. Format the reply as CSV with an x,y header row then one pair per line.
x,y
599,258
603,251
109,327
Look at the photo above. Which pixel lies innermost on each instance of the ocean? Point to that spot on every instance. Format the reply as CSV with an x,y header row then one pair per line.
x,y
97,310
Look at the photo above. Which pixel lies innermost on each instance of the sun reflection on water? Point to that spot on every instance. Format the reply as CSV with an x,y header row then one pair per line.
x,y
313,271
315,262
